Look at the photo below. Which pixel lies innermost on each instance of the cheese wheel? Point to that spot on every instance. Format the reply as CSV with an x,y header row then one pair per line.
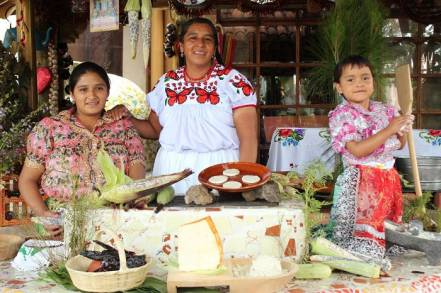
x,y
218,179
231,172
250,179
232,184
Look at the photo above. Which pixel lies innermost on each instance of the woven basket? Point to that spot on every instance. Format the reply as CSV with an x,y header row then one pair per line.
x,y
9,245
113,281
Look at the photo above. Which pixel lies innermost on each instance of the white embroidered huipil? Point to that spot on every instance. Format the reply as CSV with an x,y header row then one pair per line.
x,y
197,120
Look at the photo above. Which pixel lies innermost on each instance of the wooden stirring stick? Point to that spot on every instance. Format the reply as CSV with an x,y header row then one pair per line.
x,y
405,98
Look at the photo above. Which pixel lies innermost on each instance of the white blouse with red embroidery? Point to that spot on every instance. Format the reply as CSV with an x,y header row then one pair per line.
x,y
198,116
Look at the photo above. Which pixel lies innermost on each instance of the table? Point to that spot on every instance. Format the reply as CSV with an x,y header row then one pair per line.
x,y
245,230
293,149
410,273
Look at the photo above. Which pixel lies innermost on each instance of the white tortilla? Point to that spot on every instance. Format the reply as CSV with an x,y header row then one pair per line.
x,y
231,172
218,179
232,184
250,179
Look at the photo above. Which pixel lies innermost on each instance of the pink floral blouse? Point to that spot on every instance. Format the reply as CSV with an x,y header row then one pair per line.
x,y
63,147
349,122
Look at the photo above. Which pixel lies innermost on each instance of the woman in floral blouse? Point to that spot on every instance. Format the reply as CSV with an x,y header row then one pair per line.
x,y
65,146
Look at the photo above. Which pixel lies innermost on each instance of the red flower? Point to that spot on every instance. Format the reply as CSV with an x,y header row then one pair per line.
x,y
285,132
434,132
204,96
171,74
246,88
173,97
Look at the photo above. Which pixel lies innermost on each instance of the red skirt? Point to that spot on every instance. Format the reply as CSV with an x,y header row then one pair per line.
x,y
379,198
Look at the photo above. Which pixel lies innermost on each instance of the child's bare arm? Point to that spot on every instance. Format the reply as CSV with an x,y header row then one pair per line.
x,y
366,147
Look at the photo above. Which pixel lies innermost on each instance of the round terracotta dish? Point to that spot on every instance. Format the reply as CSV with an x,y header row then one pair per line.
x,y
245,168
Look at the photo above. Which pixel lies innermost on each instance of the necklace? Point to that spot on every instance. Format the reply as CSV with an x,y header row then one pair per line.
x,y
200,79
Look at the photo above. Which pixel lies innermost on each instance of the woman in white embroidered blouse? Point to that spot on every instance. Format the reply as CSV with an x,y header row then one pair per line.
x,y
202,112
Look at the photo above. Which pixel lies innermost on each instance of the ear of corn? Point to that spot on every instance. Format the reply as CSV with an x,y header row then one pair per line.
x,y
165,196
313,271
323,246
361,268
146,24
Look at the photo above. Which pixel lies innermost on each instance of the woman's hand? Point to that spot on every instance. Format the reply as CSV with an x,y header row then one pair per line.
x,y
118,112
55,231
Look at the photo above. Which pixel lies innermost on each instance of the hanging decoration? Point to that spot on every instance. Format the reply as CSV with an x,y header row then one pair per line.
x,y
132,8
261,6
53,89
423,11
146,25
191,7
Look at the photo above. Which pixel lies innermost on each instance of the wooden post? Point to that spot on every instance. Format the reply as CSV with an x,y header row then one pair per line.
x,y
157,52
25,30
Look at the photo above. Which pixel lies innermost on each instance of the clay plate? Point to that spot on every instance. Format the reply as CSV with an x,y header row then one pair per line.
x,y
245,168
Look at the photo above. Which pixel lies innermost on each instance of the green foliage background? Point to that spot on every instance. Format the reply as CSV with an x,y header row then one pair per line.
x,y
352,27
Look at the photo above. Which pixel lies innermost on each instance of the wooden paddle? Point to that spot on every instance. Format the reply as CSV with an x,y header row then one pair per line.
x,y
405,98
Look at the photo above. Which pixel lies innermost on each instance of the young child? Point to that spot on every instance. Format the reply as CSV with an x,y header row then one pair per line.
x,y
365,133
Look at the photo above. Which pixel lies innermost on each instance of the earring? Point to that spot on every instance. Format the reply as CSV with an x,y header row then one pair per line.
x,y
182,54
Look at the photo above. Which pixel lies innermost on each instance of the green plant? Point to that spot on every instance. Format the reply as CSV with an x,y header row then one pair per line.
x,y
352,27
15,119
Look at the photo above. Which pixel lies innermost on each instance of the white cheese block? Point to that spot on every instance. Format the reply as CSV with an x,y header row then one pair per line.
x,y
265,266
199,246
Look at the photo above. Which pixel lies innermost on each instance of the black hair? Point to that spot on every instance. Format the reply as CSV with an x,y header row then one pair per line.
x,y
83,68
352,60
184,28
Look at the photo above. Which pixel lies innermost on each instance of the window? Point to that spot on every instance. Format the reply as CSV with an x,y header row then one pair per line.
x,y
271,50
420,46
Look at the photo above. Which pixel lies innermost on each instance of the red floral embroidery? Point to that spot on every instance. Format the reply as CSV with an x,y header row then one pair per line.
x,y
172,74
173,97
224,71
434,132
285,132
204,96
246,88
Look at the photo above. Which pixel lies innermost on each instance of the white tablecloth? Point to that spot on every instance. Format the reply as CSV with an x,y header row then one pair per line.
x,y
293,149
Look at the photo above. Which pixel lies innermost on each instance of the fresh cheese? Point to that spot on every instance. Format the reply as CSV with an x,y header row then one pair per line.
x,y
199,246
231,172
250,179
265,266
218,179
232,184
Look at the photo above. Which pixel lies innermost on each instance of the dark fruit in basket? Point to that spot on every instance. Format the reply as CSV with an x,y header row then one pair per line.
x,y
108,259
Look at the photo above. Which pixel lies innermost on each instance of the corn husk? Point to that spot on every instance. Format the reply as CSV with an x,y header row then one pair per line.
x,y
132,8
146,25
